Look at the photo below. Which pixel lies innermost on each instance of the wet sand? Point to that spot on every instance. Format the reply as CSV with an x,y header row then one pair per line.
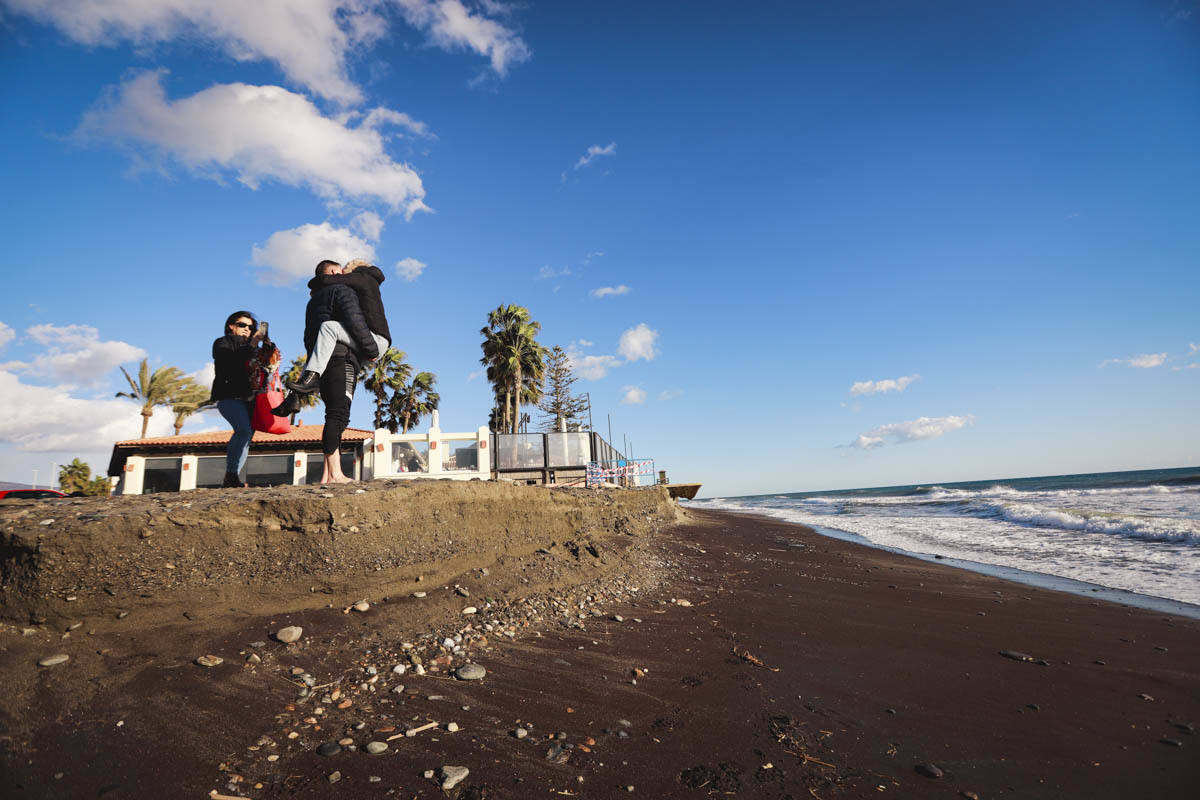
x,y
763,661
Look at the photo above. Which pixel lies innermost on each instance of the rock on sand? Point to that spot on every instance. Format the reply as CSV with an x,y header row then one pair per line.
x,y
470,672
289,634
50,661
452,776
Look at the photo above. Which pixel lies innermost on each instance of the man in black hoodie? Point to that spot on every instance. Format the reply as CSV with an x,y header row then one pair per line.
x,y
326,323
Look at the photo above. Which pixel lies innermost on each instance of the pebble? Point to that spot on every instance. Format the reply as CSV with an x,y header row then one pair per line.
x,y
470,672
520,733
373,779
209,661
452,727
399,669
452,776
375,748
258,644
462,591
50,661
329,749
399,689
46,522
930,770
969,795
289,634
345,741
122,614
1144,696
335,776
362,605
254,658
418,595
428,774
470,610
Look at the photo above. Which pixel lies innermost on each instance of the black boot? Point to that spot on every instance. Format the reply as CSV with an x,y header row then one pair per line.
x,y
289,406
231,480
307,383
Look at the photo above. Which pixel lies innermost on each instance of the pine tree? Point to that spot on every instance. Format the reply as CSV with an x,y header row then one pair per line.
x,y
558,402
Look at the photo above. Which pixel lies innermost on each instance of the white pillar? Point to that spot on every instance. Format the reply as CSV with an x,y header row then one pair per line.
x,y
134,475
187,473
299,468
434,450
483,439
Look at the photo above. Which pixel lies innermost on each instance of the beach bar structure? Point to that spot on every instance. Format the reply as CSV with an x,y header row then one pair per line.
x,y
197,460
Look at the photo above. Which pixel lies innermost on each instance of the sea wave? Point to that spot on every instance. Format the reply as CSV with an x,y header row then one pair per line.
x,y
1151,528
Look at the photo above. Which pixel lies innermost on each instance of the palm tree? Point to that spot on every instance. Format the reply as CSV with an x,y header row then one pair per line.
x,y
74,477
515,361
152,390
293,374
189,398
412,401
388,372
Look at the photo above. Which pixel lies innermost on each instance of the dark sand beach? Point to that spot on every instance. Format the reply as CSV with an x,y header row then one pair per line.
x,y
717,656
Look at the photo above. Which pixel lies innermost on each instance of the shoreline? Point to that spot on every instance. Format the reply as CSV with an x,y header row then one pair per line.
x,y
1043,580
750,657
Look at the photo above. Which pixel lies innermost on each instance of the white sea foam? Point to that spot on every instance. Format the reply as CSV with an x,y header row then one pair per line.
x,y
1141,539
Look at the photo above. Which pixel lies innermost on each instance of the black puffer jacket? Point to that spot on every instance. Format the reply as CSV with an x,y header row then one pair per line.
x,y
365,283
231,354
337,303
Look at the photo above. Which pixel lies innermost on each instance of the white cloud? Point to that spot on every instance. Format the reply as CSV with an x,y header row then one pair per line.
x,y
886,385
669,394
634,395
74,353
594,254
638,343
451,26
595,151
369,225
475,374
257,134
7,334
911,431
610,291
588,367
584,343
548,271
308,40
1144,361
1193,347
52,419
409,268
293,254
378,117
205,375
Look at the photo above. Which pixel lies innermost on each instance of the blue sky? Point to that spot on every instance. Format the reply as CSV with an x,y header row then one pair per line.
x,y
807,203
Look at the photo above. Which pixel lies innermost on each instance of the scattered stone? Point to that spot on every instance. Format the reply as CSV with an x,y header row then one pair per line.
x,y
329,749
470,610
428,774
470,672
46,522
462,591
345,741
624,723
930,770
557,754
210,661
520,733
375,748
399,669
452,727
258,644
453,776
1015,656
272,758
1146,697
969,795
617,618
418,595
373,779
399,689
335,776
289,634
362,605
684,603
254,658
50,661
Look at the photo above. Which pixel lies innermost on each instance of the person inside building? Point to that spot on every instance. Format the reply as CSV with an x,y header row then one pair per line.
x,y
235,355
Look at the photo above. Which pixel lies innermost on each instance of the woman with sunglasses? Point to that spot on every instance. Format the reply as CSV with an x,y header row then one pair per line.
x,y
234,356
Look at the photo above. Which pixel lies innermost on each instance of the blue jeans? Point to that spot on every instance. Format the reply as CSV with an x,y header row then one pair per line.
x,y
237,413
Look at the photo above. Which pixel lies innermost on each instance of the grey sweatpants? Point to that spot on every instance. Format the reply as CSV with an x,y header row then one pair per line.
x,y
328,336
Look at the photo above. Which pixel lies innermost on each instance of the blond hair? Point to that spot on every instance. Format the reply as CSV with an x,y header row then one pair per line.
x,y
355,264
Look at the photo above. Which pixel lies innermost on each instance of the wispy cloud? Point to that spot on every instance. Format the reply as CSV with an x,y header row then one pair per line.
x,y
638,343
594,254
610,291
880,387
547,272
914,430
634,396
73,353
669,394
594,152
1144,361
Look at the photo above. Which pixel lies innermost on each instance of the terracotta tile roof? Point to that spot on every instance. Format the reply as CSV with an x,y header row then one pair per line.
x,y
300,433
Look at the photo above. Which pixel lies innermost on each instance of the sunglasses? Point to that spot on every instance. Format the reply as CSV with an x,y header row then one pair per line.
x,y
243,324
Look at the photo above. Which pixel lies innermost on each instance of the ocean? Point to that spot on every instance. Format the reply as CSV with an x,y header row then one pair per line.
x,y
1129,532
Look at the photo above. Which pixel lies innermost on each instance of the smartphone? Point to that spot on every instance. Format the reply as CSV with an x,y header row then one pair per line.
x,y
262,329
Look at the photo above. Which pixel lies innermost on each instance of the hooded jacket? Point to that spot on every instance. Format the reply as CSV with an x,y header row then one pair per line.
x,y
340,304
365,282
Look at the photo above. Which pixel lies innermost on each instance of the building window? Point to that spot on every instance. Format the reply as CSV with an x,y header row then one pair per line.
x,y
210,472
316,466
272,470
162,475
410,457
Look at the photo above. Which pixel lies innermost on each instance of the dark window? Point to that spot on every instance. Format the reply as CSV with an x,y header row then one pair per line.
x,y
272,470
316,466
162,475
210,472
